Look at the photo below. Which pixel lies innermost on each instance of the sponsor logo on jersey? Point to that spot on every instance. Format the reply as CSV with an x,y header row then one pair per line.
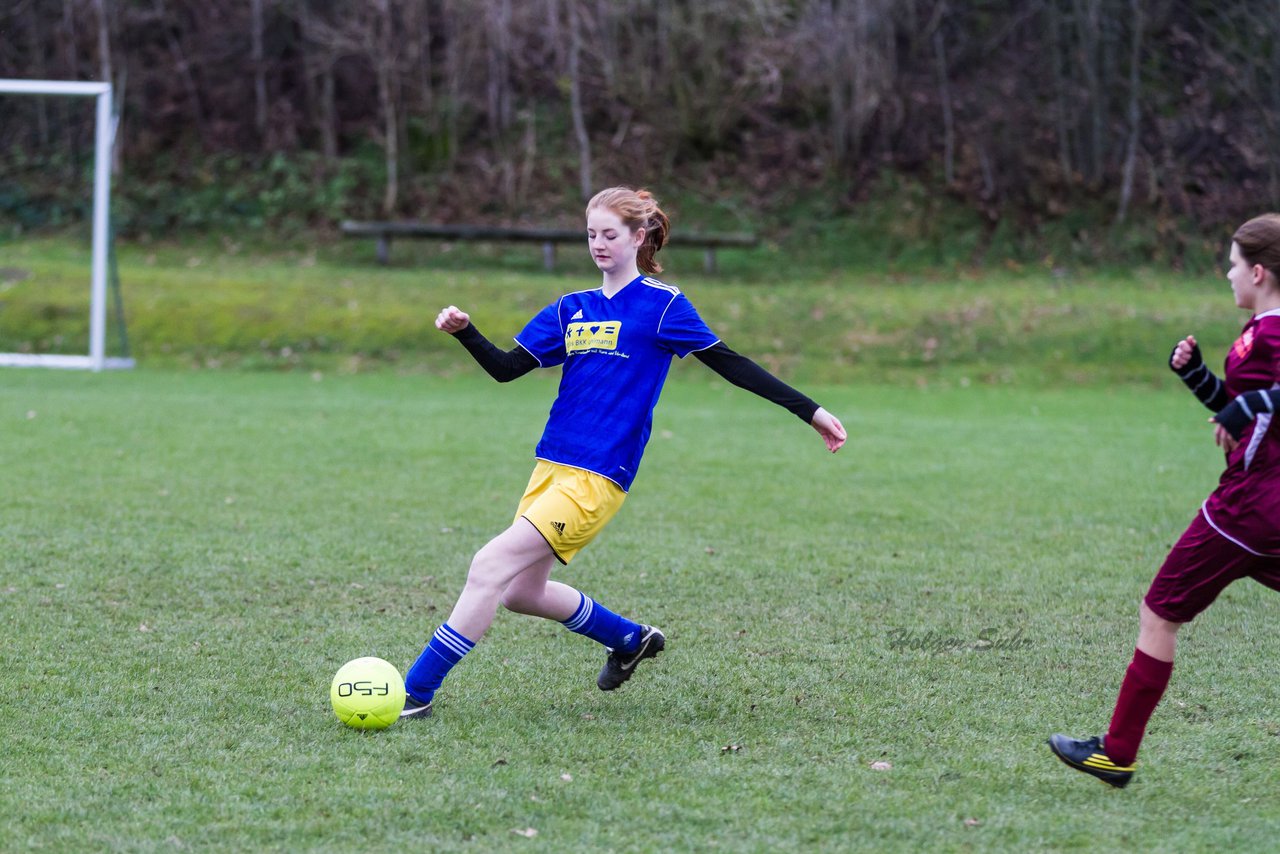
x,y
577,315
1244,344
592,335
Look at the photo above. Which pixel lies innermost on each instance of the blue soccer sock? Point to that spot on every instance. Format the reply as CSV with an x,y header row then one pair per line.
x,y
445,649
603,626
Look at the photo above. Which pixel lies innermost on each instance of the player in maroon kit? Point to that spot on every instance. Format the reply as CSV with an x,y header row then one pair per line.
x,y
1236,534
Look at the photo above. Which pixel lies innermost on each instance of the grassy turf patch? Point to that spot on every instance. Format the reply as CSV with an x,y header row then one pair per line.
x,y
187,557
331,308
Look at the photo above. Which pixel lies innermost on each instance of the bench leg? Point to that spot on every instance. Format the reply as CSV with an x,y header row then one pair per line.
x,y
709,260
384,248
549,256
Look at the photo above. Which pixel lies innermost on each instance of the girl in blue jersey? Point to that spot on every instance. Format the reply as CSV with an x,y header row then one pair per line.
x,y
615,344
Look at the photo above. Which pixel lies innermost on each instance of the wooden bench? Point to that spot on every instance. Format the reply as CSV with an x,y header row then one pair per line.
x,y
385,232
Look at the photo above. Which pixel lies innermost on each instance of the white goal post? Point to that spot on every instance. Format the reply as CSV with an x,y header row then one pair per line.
x,y
104,129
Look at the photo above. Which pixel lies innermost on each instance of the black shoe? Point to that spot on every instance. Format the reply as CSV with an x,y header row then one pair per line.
x,y
621,665
415,709
1088,756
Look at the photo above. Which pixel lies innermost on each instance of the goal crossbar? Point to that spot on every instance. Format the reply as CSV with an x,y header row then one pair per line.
x,y
104,135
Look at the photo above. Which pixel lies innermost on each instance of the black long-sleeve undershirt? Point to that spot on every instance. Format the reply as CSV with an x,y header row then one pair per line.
x,y
733,366
744,373
502,366
1240,412
1204,384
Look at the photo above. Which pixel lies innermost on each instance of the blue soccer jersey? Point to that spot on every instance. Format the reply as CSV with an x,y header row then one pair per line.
x,y
616,352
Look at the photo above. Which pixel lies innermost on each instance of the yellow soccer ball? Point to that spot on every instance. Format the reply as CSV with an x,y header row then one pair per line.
x,y
367,693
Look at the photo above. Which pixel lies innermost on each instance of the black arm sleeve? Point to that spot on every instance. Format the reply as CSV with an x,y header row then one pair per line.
x,y
1237,415
1207,388
503,367
744,373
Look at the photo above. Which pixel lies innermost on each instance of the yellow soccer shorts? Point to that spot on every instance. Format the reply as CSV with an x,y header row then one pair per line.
x,y
569,506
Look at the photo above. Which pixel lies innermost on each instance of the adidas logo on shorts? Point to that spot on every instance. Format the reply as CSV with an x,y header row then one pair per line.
x,y
559,526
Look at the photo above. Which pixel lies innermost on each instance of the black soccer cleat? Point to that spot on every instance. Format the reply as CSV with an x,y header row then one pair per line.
x,y
415,709
1087,755
621,665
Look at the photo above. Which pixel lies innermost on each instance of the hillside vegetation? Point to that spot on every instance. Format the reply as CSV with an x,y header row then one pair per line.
x,y
1028,115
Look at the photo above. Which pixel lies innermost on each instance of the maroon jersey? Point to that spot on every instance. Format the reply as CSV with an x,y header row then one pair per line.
x,y
1245,508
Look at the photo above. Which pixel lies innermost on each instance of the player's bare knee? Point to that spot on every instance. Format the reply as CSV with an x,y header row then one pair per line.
x,y
485,576
1150,621
514,600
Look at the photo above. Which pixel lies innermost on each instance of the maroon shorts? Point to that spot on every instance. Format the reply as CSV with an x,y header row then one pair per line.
x,y
1200,567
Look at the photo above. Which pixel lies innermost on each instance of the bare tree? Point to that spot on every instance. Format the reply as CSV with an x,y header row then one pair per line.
x,y
319,55
854,43
36,50
182,64
104,64
498,82
70,60
258,63
373,35
1134,110
385,57
1088,19
585,180
1061,97
1024,106
944,96
104,40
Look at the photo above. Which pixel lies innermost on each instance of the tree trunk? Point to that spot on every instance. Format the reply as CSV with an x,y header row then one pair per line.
x,y
1135,123
318,57
944,95
1271,110
183,66
453,83
1089,29
104,41
104,64
499,89
384,61
328,114
390,129
72,72
554,37
585,182
259,72
423,62
1062,127
35,44
606,43
834,45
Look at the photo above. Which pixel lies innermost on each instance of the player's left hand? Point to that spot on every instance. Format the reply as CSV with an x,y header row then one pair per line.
x,y
829,428
1186,354
1223,439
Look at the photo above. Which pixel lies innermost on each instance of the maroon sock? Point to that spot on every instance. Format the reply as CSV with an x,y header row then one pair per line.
x,y
1143,686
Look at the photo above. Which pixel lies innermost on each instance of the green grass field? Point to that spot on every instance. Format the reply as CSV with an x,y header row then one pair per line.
x,y
186,557
329,307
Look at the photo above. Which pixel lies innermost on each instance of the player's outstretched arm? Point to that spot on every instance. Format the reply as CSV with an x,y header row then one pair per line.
x,y
744,373
1187,363
1237,415
502,366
